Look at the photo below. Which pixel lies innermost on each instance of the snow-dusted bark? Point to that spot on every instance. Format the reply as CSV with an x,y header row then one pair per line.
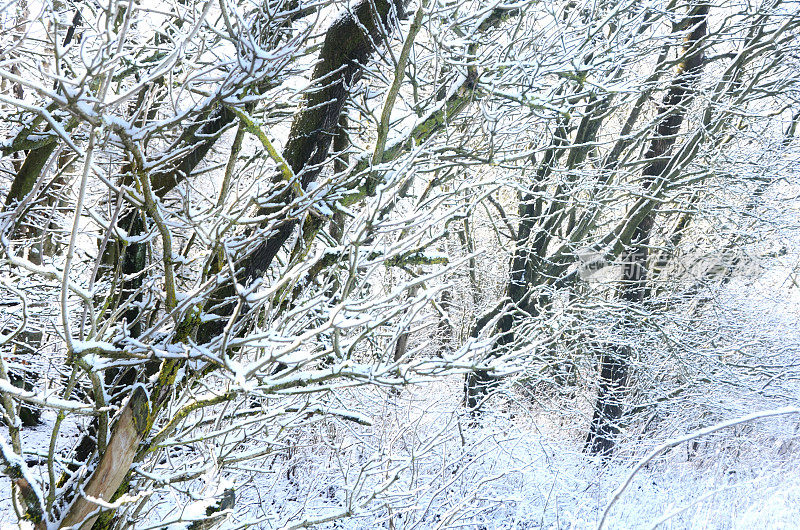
x,y
229,226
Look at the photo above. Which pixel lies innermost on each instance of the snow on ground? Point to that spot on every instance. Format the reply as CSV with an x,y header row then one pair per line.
x,y
520,464
513,467
508,469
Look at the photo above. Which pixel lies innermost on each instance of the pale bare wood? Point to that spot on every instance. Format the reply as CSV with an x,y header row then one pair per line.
x,y
114,465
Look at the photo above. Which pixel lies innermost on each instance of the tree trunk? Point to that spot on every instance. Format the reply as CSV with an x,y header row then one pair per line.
x,y
342,59
615,363
345,51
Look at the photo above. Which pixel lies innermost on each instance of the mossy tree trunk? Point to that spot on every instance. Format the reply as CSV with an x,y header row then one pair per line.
x,y
345,52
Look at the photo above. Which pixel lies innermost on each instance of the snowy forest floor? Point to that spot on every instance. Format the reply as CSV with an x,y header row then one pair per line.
x,y
512,469
520,464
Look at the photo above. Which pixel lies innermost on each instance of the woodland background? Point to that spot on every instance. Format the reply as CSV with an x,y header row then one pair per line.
x,y
433,264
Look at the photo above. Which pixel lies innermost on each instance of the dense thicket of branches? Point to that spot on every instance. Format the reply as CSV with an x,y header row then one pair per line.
x,y
222,217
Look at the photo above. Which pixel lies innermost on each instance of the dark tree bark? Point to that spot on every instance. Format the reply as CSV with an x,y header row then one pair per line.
x,y
538,225
344,54
347,47
615,363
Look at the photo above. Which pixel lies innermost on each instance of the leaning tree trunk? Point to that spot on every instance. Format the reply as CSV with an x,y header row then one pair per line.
x,y
615,362
349,43
343,56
